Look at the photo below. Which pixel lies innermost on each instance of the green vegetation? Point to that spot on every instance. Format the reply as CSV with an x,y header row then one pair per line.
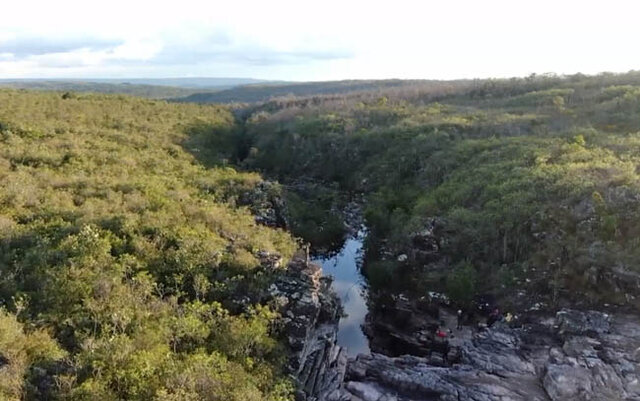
x,y
156,88
314,215
461,283
287,92
128,270
144,90
130,256
22,352
535,179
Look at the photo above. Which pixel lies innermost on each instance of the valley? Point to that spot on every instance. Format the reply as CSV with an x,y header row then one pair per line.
x,y
309,247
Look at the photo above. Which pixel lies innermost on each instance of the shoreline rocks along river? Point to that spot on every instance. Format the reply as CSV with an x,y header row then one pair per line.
x,y
572,355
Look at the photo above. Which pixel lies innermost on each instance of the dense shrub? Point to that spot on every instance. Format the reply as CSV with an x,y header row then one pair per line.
x,y
509,165
119,243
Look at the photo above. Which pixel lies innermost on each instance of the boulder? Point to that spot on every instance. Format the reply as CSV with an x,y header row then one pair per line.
x,y
576,322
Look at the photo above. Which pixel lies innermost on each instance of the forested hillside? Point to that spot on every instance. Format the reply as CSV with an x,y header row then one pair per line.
x,y
143,90
523,188
157,88
128,270
267,91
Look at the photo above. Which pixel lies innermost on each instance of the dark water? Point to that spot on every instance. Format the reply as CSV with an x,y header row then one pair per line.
x,y
351,288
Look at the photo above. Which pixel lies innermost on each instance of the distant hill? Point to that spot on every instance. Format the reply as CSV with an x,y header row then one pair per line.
x,y
222,90
150,91
160,88
202,83
263,92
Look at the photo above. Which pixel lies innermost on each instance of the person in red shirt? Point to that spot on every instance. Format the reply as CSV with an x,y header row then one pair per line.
x,y
440,344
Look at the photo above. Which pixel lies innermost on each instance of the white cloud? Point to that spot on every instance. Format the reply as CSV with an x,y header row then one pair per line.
x,y
282,39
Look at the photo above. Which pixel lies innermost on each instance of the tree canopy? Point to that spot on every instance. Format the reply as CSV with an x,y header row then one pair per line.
x,y
128,269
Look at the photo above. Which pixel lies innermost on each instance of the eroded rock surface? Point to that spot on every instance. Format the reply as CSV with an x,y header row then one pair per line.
x,y
572,356
311,311
266,203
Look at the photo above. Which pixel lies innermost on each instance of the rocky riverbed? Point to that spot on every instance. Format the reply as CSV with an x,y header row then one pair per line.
x,y
310,314
572,355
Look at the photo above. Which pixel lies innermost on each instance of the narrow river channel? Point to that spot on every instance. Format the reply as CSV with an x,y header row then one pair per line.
x,y
351,288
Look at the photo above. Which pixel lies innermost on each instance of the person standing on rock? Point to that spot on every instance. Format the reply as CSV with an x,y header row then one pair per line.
x,y
440,344
459,319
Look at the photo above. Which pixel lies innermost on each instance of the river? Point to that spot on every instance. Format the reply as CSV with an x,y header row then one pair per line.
x,y
351,288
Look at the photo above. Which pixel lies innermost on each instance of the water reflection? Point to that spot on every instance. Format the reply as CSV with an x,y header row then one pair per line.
x,y
351,289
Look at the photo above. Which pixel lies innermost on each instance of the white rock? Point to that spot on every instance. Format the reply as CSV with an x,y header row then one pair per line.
x,y
366,391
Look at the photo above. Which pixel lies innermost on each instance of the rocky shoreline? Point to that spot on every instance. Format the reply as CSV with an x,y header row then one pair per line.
x,y
310,314
572,355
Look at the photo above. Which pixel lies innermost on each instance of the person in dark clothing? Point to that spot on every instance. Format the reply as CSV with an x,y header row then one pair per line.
x,y
459,319
445,352
442,347
494,316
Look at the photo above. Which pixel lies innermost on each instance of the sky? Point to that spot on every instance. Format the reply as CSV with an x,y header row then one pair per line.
x,y
316,40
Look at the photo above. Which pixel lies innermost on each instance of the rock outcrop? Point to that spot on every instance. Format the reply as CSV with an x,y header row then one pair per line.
x,y
426,245
599,358
311,311
266,203
572,356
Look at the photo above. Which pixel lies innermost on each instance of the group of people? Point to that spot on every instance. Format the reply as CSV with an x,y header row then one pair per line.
x,y
496,316
441,335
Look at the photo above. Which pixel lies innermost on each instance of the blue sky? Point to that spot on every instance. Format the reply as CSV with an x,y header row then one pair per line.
x,y
303,40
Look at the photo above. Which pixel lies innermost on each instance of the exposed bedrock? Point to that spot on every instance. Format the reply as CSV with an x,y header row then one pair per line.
x,y
573,356
311,312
